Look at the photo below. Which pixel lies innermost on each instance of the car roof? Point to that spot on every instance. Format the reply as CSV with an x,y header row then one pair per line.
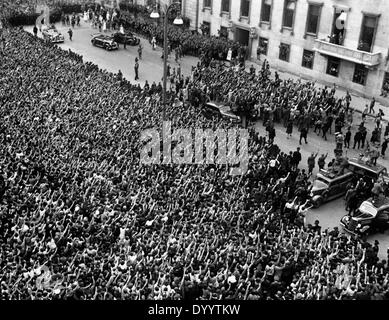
x,y
331,176
102,36
362,164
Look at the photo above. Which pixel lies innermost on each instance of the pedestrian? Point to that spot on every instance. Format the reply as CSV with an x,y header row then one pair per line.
x,y
365,112
324,130
363,137
70,32
303,134
357,139
311,162
296,158
347,138
179,71
140,48
136,68
318,126
384,147
375,153
153,43
321,161
372,104
289,128
348,100
339,139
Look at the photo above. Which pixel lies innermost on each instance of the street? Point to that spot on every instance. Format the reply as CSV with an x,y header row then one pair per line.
x,y
151,69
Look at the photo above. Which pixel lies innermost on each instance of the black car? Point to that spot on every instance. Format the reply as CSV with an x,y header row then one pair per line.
x,y
103,41
127,38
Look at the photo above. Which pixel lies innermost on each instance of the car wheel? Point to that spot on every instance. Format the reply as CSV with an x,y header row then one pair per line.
x,y
318,202
94,42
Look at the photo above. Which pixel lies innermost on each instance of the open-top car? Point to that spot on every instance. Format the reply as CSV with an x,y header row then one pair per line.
x,y
371,216
328,186
126,38
51,34
331,184
212,108
104,41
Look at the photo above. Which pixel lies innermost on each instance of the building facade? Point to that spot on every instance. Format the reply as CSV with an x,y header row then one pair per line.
x,y
333,41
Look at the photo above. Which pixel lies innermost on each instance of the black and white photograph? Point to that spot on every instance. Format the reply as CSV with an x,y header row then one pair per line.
x,y
194,151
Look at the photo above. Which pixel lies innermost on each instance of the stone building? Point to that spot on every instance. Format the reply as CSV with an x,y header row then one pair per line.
x,y
334,41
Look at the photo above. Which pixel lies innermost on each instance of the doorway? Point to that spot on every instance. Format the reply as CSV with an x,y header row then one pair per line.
x,y
242,36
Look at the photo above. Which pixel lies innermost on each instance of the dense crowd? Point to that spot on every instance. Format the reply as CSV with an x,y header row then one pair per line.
x,y
192,43
81,218
294,103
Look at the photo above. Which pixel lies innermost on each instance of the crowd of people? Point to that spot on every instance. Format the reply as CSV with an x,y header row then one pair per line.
x,y
293,103
192,43
81,218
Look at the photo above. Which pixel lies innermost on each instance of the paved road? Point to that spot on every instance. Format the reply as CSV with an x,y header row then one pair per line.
x,y
151,69
329,215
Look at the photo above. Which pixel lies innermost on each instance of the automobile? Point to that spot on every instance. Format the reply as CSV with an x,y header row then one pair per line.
x,y
223,111
363,169
127,38
52,34
370,217
104,41
328,186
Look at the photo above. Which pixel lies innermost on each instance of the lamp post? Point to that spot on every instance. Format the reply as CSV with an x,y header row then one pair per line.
x,y
177,21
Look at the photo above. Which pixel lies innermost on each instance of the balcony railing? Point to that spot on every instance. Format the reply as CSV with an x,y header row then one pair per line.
x,y
361,57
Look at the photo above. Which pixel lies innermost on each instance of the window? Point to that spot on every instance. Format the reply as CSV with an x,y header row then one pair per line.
x,y
206,28
207,3
360,74
333,66
245,8
284,52
262,46
313,19
223,32
266,10
368,30
308,59
289,11
225,5
338,27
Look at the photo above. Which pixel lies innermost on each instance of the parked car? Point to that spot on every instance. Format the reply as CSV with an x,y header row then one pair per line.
x,y
223,111
52,34
328,186
127,38
371,216
104,41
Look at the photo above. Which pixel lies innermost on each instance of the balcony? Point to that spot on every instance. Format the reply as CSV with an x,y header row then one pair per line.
x,y
360,57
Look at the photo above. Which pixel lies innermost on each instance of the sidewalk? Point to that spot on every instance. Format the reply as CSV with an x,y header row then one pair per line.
x,y
357,102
